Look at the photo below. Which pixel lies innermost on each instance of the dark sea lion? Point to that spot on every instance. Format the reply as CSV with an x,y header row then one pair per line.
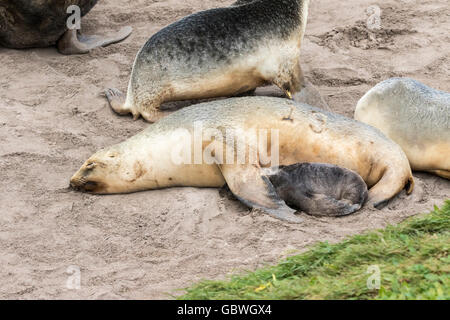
x,y
217,53
43,23
298,133
320,189
416,117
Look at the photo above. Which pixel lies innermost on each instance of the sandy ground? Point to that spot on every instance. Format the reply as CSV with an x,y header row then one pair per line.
x,y
147,245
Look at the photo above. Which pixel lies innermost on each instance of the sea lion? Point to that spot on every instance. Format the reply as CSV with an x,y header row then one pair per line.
x,y
320,189
217,53
43,23
416,117
298,133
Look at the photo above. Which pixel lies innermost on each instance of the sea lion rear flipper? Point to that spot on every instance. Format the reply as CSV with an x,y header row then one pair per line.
x,y
73,43
389,186
256,191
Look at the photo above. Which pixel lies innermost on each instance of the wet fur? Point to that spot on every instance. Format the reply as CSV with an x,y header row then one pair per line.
x,y
320,189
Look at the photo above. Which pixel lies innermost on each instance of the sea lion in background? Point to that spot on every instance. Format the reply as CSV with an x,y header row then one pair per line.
x,y
299,133
217,53
320,189
415,116
43,23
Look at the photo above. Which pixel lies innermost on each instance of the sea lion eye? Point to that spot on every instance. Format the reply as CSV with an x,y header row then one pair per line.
x,y
90,165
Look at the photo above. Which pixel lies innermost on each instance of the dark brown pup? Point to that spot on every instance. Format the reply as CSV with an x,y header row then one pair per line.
x,y
320,189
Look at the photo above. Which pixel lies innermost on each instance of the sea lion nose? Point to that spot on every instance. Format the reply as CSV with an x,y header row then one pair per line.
x,y
79,182
83,186
76,184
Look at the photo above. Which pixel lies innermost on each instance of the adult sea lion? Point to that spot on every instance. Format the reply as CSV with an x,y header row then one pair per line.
x,y
415,116
320,189
217,53
43,23
298,133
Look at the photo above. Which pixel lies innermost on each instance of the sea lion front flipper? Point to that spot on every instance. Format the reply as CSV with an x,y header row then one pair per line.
x,y
441,173
73,43
256,191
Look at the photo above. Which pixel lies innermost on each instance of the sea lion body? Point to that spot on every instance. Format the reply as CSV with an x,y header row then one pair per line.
x,y
217,53
320,189
36,23
301,133
416,117
43,23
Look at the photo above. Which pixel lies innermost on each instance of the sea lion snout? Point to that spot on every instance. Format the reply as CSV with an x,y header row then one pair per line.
x,y
81,182
83,186
108,171
85,180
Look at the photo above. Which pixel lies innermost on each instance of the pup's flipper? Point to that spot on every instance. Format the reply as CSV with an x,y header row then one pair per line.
x,y
326,206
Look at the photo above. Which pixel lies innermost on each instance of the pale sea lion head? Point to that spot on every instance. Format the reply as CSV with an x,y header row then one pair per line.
x,y
106,172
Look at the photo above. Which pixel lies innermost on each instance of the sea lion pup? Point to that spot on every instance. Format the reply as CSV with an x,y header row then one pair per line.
x,y
320,189
43,23
217,53
175,152
415,116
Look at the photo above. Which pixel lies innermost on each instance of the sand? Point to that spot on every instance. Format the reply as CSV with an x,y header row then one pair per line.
x,y
147,245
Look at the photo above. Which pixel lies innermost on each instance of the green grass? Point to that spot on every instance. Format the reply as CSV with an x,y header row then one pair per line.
x,y
413,258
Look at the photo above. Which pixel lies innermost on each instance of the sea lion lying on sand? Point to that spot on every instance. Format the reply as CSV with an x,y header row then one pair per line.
x,y
298,133
43,23
415,116
320,189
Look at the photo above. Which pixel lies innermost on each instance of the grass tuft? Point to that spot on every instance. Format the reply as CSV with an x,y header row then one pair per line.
x,y
413,260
